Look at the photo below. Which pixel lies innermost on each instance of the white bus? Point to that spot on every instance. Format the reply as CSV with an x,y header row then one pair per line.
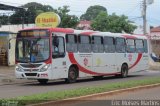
x,y
57,53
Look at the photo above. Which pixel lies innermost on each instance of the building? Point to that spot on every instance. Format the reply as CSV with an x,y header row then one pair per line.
x,y
86,25
155,40
7,48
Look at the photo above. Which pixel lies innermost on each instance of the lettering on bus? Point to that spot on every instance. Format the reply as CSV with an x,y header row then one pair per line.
x,y
33,33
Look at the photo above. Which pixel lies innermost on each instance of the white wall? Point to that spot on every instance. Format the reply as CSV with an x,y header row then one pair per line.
x,y
15,28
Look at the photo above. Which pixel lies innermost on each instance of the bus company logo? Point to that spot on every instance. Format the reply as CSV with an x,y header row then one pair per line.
x,y
130,57
85,61
98,61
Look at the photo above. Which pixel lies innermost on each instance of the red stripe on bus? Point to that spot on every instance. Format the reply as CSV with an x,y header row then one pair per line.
x,y
129,36
137,61
63,30
87,33
82,69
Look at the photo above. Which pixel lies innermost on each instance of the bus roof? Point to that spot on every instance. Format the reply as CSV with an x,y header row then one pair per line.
x,y
62,30
90,32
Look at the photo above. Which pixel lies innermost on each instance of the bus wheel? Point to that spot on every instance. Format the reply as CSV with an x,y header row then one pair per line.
x,y
124,71
43,81
72,75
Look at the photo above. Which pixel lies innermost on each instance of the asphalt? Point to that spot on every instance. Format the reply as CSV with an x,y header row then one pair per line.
x,y
7,76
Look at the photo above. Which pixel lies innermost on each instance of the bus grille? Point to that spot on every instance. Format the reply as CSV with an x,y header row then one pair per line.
x,y
31,74
30,65
31,70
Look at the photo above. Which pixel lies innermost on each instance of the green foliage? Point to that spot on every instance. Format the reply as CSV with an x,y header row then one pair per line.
x,y
33,9
17,18
28,15
112,23
100,23
4,20
67,21
92,12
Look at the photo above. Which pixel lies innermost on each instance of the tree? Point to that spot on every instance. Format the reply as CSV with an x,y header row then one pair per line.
x,y
18,17
30,12
100,23
112,23
92,12
4,19
33,9
67,21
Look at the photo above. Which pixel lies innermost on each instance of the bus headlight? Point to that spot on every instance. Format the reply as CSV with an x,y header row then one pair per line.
x,y
44,68
18,69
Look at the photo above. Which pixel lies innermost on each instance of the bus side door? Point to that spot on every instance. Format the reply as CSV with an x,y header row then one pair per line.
x,y
59,68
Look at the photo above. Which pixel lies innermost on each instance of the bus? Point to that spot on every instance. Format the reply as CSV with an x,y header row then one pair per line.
x,y
61,53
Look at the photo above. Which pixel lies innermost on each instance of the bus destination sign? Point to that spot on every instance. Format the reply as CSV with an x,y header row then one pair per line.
x,y
33,33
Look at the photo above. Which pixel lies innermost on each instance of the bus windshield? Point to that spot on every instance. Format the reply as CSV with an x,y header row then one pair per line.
x,y
32,46
32,50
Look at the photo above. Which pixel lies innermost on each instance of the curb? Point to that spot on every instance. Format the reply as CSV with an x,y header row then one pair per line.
x,y
80,99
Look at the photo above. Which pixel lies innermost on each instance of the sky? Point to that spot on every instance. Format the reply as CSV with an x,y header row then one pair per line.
x,y
130,8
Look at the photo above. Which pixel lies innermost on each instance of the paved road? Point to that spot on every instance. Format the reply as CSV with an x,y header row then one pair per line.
x,y
21,89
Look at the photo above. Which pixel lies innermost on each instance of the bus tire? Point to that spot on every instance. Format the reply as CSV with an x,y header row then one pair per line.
x,y
72,75
124,71
43,81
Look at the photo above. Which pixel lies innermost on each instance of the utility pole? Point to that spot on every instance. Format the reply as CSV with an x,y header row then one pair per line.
x,y
144,12
144,17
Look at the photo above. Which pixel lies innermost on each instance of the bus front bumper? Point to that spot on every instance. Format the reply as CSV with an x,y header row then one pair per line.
x,y
32,75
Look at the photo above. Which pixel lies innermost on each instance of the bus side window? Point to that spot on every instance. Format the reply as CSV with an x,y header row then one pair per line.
x,y
109,44
58,47
139,46
120,45
97,44
84,44
71,43
130,45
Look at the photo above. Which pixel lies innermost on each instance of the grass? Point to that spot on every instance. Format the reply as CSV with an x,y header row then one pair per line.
x,y
59,95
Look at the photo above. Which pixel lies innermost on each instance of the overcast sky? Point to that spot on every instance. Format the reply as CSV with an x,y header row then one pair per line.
x,y
130,8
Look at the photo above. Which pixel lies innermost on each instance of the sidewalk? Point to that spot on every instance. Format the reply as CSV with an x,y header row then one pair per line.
x,y
7,76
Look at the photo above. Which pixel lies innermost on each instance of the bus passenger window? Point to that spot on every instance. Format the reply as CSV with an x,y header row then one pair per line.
x,y
139,46
71,43
84,44
120,45
97,44
109,44
130,46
